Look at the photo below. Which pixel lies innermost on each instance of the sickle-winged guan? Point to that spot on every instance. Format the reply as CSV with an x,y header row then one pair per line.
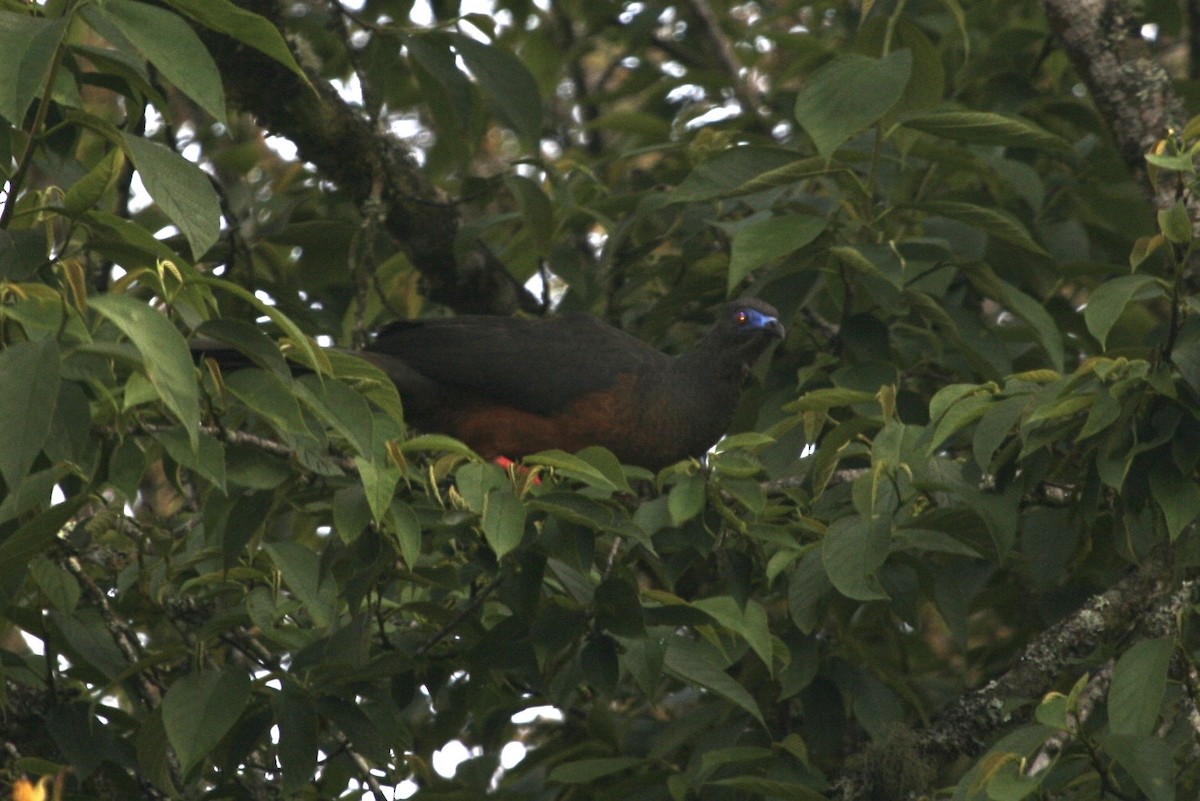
x,y
508,386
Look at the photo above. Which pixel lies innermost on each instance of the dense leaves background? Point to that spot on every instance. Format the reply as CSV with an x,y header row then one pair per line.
x,y
951,551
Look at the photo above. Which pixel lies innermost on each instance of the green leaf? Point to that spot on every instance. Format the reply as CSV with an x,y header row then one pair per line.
x,y
305,351
181,190
351,512
823,399
618,609
1177,496
749,622
583,771
848,95
746,439
1175,224
1138,686
594,514
730,171
296,717
22,252
1008,783
537,211
89,643
435,443
583,469
379,484
29,382
271,396
1105,411
34,492
452,97
405,524
301,570
600,664
503,521
766,240
246,516
760,787
91,188
238,23
1186,356
125,240
686,498
1148,760
204,453
60,587
30,539
1023,306
166,358
511,87
199,709
165,40
343,409
696,663
643,658
998,423
1108,301
852,551
475,480
250,340
28,44
986,128
733,755
960,415
991,221
1057,709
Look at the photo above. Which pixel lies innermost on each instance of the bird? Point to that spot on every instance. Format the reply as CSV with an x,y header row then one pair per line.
x,y
509,387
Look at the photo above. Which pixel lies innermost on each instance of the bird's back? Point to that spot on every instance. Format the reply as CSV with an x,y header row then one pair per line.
x,y
539,366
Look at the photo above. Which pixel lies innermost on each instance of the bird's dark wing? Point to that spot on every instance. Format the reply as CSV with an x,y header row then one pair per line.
x,y
537,366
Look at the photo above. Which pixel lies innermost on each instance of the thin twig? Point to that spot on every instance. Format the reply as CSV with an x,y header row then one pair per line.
x,y
462,615
743,84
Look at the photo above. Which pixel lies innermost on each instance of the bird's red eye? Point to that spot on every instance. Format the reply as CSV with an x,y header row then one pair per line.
x,y
743,317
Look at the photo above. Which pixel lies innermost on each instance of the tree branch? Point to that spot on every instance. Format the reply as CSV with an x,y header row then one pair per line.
x,y
346,149
1132,94
965,728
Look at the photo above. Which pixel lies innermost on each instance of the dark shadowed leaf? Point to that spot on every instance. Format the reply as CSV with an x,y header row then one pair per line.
x,y
165,355
248,28
200,708
507,82
28,44
181,189
582,771
1148,760
766,240
986,128
850,94
29,381
503,520
165,40
1138,685
853,550
991,221
1109,300
693,662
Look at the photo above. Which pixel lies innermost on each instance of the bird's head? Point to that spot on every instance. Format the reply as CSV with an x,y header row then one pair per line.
x,y
743,332
749,325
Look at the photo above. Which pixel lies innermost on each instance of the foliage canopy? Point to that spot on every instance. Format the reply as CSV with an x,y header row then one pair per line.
x,y
949,547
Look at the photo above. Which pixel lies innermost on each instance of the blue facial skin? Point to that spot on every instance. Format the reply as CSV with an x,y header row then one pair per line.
x,y
754,320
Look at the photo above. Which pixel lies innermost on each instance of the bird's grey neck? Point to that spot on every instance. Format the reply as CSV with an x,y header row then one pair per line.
x,y
706,385
710,364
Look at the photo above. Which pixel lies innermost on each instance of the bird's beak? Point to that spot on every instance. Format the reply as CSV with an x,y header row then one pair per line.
x,y
775,328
